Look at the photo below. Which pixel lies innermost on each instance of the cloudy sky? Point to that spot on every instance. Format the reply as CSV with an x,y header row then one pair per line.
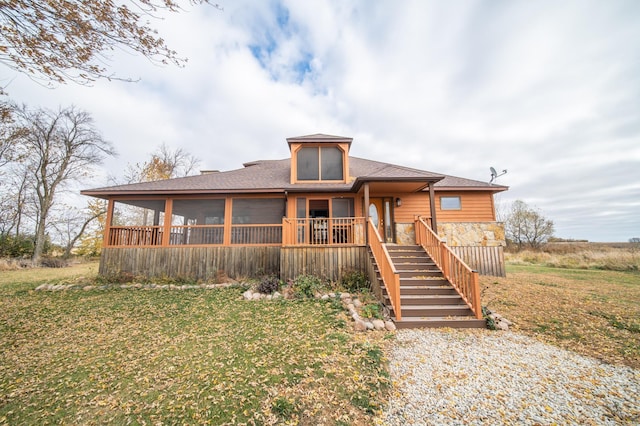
x,y
549,90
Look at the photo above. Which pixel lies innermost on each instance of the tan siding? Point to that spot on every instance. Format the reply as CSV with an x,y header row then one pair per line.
x,y
476,207
412,205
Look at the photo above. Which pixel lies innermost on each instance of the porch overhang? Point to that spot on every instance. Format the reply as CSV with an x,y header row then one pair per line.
x,y
393,185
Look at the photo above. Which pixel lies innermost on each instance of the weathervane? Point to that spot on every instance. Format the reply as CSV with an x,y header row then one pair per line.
x,y
495,175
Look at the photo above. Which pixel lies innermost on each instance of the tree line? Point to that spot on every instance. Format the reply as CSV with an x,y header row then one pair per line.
x,y
42,151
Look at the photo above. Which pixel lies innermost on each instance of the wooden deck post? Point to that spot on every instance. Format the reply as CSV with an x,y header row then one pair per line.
x,y
106,242
476,294
432,207
445,259
228,218
366,212
168,214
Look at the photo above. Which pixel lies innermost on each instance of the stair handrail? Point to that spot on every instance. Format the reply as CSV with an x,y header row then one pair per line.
x,y
454,269
388,272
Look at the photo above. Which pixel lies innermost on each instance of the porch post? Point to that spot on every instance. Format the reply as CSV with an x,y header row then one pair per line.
x,y
107,225
366,213
432,207
168,215
227,221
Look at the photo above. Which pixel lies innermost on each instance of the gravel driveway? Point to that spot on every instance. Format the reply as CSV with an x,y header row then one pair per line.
x,y
456,377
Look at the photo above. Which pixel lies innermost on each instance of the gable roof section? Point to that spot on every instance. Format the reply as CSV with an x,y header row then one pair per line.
x,y
272,176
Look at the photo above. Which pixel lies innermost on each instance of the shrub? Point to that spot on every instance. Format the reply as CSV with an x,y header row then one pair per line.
x,y
372,311
306,286
269,285
53,262
354,281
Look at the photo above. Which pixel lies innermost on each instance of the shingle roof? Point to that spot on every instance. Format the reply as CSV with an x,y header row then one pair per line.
x,y
274,176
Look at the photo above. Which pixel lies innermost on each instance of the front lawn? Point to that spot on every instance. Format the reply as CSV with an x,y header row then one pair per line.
x,y
593,312
133,356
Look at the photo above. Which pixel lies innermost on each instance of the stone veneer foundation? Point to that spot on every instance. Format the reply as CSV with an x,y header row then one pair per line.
x,y
470,234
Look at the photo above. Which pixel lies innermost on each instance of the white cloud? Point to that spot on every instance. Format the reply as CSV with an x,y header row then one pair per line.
x,y
549,91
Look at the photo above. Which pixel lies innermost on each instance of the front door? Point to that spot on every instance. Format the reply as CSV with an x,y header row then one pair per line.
x,y
381,214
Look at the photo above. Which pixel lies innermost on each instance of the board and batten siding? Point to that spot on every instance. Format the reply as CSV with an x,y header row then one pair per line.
x,y
475,207
207,263
325,262
198,263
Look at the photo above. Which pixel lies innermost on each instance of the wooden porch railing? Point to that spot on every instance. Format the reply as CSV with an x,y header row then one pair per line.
x,y
388,272
190,235
196,235
342,231
463,278
135,236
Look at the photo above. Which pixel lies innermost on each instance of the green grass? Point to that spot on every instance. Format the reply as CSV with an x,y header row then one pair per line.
x,y
178,357
594,312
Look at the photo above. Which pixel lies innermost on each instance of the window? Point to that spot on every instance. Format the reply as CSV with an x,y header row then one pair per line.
x,y
320,163
450,203
258,210
342,207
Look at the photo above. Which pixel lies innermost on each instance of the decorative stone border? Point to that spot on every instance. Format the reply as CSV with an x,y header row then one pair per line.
x,y
349,303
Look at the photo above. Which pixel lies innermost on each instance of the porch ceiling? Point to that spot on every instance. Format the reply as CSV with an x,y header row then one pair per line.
x,y
396,187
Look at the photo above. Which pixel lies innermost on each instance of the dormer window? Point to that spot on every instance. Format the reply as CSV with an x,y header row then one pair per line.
x,y
319,158
320,163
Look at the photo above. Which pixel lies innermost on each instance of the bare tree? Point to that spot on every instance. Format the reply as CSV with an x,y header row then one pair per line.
x,y
72,223
61,146
70,40
526,225
164,163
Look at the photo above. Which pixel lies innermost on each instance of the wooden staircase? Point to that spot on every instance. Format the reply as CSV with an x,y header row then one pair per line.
x,y
427,298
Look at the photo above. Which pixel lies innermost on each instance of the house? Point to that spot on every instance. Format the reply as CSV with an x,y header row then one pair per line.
x,y
319,212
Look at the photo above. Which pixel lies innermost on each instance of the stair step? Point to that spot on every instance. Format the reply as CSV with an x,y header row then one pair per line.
x,y
439,322
433,299
436,310
430,281
416,266
421,299
419,273
425,290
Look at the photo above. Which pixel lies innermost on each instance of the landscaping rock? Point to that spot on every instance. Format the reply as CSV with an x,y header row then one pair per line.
x,y
276,295
345,296
369,325
501,325
378,324
390,326
360,325
357,303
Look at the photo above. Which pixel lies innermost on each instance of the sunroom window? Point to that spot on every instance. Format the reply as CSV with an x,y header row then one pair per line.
x,y
320,163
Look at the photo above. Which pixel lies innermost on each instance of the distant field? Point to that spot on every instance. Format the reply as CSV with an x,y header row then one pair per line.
x,y
578,255
591,311
124,356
